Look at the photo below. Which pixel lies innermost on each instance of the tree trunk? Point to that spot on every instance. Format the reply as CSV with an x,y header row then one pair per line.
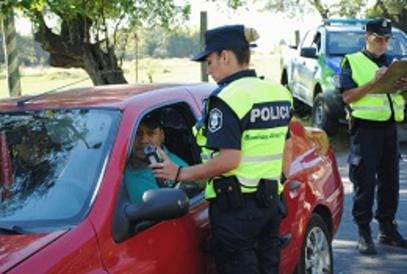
x,y
71,49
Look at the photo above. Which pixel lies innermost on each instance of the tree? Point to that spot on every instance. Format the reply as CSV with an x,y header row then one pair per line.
x,y
325,8
84,34
395,10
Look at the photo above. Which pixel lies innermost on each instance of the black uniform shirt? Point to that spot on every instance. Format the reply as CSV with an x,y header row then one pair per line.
x,y
224,129
346,83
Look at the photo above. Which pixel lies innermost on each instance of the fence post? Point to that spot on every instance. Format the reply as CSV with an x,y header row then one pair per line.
x,y
10,54
204,27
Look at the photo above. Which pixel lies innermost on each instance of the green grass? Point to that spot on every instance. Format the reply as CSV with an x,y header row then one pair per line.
x,y
38,80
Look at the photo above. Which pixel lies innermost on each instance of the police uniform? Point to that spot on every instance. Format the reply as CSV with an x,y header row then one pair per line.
x,y
251,115
374,156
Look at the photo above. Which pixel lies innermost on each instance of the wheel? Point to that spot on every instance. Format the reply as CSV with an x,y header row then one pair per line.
x,y
300,109
320,117
316,250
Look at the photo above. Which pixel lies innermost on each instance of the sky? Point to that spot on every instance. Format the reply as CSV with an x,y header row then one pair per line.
x,y
272,27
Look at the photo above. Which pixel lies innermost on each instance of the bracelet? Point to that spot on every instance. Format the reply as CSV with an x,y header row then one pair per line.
x,y
178,173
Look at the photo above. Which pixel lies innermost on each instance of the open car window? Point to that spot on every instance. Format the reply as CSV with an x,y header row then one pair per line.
x,y
179,143
51,162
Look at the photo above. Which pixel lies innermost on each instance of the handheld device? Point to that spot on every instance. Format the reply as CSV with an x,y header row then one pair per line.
x,y
154,157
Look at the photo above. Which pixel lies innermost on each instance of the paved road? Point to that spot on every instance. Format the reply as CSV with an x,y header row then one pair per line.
x,y
389,260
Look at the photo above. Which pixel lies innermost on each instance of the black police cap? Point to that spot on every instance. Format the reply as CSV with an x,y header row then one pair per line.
x,y
379,26
225,37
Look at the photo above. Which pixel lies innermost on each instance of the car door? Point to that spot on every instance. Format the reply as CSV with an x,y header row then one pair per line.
x,y
176,245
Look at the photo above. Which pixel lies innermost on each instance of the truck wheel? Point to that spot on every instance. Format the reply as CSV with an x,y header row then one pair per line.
x,y
320,117
300,109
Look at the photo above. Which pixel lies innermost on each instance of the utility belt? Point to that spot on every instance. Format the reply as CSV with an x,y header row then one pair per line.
x,y
229,195
355,123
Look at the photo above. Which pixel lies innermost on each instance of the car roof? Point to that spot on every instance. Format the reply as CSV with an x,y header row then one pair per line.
x,y
109,96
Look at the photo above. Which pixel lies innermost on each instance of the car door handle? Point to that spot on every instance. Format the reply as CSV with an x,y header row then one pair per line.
x,y
294,185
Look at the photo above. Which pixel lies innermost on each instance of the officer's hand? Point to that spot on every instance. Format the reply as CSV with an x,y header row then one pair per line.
x,y
166,169
401,83
379,73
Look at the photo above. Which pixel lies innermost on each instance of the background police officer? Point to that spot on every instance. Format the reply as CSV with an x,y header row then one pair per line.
x,y
374,157
243,136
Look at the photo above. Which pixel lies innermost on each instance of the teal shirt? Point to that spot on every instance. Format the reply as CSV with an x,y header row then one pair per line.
x,y
142,179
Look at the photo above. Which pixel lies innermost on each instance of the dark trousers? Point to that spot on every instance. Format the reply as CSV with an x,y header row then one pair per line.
x,y
246,240
374,163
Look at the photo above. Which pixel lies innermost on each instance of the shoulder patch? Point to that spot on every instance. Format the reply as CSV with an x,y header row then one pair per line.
x,y
215,120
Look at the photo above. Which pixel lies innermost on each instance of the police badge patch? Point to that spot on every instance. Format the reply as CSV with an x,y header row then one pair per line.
x,y
215,120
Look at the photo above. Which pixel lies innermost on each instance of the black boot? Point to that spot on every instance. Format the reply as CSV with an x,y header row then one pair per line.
x,y
365,243
389,235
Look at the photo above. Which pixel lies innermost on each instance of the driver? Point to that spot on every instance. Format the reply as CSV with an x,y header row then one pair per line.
x,y
138,176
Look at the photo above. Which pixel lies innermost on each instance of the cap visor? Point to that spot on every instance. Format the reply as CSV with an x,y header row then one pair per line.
x,y
382,35
200,57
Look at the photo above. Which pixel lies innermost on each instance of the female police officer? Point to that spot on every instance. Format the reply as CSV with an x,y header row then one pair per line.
x,y
244,131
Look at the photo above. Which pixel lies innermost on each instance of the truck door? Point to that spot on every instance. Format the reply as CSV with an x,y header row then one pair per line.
x,y
308,65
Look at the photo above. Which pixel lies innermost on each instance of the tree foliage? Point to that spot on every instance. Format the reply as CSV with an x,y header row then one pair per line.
x,y
396,10
84,33
325,8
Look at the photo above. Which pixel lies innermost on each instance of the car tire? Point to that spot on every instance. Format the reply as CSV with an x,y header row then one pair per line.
x,y
316,250
320,117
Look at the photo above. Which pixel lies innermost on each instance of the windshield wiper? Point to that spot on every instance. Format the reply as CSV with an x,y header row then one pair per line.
x,y
15,229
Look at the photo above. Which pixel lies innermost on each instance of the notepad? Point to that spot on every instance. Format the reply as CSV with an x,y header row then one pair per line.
x,y
395,71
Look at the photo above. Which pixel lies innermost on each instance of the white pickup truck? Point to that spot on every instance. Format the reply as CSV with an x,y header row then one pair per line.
x,y
311,70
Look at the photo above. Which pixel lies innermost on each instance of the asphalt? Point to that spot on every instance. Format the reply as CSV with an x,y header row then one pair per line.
x,y
389,259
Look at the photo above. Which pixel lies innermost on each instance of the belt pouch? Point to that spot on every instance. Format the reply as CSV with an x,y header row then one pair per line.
x,y
228,192
267,192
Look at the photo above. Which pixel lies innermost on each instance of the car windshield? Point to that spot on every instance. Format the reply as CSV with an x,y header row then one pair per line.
x,y
50,164
341,43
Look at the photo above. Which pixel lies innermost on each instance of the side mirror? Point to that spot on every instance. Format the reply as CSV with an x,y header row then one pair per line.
x,y
159,204
308,52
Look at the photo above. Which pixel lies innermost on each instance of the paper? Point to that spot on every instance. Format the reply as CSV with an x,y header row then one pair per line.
x,y
395,71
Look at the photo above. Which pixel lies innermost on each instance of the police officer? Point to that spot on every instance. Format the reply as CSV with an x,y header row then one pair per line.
x,y
374,156
243,136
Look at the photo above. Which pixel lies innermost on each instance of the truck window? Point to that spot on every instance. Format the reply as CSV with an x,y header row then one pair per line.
x,y
309,40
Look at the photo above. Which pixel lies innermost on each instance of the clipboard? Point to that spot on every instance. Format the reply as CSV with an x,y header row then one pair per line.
x,y
395,71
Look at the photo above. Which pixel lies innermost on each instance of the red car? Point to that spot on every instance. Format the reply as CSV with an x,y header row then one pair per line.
x,y
65,209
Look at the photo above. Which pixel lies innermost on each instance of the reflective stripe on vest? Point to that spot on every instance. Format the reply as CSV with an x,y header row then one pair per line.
x,y
375,107
266,109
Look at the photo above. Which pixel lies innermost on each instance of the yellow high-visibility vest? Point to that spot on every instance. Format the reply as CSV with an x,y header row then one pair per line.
x,y
374,107
264,109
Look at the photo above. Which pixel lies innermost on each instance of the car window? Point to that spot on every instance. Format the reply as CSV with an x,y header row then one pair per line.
x,y
51,162
174,134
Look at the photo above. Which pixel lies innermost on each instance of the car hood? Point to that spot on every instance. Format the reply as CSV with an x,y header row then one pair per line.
x,y
334,62
16,248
